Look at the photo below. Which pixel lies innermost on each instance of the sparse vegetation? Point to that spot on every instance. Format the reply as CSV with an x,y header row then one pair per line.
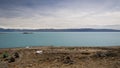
x,y
5,55
63,57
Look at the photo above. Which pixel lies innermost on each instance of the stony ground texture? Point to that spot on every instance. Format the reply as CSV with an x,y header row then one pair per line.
x,y
61,57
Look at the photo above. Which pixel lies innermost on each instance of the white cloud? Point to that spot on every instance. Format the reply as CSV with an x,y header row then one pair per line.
x,y
64,20
67,15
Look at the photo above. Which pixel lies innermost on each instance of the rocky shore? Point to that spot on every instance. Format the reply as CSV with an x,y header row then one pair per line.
x,y
60,57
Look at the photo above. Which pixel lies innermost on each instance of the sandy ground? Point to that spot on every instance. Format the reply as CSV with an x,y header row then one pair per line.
x,y
61,57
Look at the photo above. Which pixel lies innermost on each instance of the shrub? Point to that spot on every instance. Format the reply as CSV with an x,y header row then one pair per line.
x,y
5,55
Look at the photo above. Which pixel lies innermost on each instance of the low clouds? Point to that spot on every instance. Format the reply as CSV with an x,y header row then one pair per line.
x,y
60,14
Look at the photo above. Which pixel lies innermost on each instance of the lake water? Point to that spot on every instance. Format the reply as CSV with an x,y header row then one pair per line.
x,y
17,39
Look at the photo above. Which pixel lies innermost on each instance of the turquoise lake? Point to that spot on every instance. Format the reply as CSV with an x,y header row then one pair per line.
x,y
17,39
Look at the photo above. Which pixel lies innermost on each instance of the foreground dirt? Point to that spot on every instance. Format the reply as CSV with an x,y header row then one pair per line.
x,y
61,57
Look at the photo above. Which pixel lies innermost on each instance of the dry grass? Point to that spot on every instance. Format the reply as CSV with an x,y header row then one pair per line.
x,y
63,57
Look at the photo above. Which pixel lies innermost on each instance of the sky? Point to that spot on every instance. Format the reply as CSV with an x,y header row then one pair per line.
x,y
59,14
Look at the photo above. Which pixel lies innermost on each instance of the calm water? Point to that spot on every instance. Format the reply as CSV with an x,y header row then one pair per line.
x,y
17,39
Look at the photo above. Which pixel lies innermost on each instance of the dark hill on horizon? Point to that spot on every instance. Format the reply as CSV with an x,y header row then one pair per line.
x,y
59,30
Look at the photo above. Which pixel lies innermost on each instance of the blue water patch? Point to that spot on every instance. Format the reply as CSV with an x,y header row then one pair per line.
x,y
17,39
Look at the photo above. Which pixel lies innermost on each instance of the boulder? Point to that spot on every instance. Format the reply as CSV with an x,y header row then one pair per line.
x,y
11,60
68,60
16,55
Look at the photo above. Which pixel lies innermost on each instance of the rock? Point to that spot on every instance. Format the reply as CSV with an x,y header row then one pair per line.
x,y
110,54
104,54
11,60
39,52
16,55
68,60
85,53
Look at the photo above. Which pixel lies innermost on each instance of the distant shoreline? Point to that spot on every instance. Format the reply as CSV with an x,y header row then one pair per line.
x,y
35,47
60,30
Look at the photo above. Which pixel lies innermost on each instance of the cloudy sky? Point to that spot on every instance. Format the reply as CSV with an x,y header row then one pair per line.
x,y
39,14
